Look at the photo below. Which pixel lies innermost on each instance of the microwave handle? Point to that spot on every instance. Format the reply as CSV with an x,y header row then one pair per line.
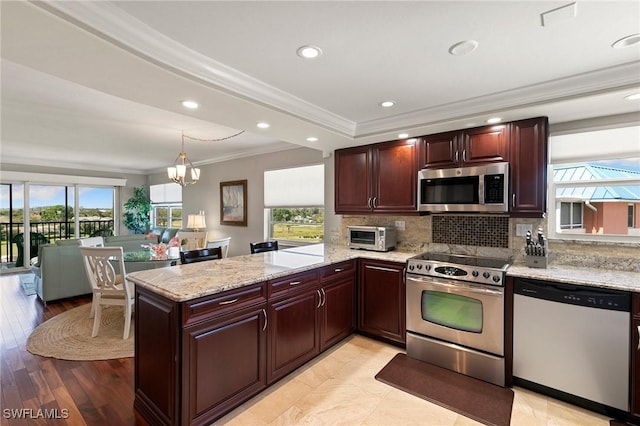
x,y
481,190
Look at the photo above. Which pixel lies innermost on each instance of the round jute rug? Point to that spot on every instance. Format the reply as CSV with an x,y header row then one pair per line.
x,y
68,336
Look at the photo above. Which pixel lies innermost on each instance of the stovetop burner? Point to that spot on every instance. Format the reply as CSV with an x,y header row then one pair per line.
x,y
485,270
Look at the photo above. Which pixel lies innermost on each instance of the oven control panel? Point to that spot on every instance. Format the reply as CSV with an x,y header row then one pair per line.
x,y
471,273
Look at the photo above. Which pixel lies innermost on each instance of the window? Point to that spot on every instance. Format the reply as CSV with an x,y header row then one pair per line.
x,y
294,204
594,184
166,202
570,215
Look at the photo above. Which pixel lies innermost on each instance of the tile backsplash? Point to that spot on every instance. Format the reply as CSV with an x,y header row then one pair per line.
x,y
492,235
486,231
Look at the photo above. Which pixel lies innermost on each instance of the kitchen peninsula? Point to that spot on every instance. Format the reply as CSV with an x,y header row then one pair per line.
x,y
250,320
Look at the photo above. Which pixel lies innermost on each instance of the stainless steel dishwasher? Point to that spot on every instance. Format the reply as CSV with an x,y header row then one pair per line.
x,y
572,339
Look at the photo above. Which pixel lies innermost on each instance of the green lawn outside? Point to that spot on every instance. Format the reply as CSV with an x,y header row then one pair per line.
x,y
298,232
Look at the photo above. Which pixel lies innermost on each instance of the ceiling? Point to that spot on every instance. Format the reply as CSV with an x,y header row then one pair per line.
x,y
99,85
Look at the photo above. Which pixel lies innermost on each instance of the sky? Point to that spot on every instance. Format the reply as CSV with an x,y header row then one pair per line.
x,y
48,195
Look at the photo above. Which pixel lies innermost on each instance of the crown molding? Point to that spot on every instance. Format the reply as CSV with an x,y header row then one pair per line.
x,y
112,24
573,87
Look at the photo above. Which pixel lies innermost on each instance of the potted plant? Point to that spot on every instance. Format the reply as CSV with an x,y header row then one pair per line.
x,y
137,215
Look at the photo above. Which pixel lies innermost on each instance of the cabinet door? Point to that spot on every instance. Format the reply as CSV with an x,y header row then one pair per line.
x,y
353,180
382,300
224,364
488,144
338,313
528,166
395,174
294,334
440,150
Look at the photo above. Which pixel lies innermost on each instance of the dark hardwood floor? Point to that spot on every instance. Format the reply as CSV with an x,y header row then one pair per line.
x,y
85,392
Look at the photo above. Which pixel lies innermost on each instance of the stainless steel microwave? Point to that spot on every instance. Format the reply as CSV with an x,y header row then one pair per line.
x,y
376,238
466,189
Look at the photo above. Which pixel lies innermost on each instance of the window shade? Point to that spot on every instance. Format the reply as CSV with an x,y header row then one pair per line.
x,y
295,187
606,144
165,193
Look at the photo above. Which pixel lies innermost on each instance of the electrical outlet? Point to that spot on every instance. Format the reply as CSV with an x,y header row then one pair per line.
x,y
522,228
400,225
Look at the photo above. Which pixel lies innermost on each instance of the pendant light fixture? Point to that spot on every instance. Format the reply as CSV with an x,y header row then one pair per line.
x,y
178,172
183,167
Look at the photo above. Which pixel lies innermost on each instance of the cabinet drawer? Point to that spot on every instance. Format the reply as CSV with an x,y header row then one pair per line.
x,y
337,270
212,306
293,282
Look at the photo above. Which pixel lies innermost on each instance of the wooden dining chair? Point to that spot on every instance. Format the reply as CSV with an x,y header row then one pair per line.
x,y
108,277
263,246
200,255
223,243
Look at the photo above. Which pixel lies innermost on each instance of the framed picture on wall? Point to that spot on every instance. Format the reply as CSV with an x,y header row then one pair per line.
x,y
233,203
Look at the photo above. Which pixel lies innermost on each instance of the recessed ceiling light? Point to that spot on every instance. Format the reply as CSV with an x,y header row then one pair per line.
x,y
403,135
309,52
190,104
626,41
494,120
312,139
263,125
463,48
633,97
387,104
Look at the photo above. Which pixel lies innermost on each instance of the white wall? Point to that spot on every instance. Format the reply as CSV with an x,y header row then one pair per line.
x,y
205,195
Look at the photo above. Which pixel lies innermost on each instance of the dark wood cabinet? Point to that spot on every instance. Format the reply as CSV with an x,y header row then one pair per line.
x,y
337,289
310,312
294,334
635,355
381,294
379,178
237,343
197,360
480,145
528,167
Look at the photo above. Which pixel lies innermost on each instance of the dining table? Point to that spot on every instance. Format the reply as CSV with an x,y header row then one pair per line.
x,y
146,258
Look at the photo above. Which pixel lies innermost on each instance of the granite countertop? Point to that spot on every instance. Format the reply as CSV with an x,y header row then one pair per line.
x,y
594,277
187,282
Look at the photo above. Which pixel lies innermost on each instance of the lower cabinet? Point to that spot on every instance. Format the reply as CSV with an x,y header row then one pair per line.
x,y
308,313
294,336
381,294
223,363
197,360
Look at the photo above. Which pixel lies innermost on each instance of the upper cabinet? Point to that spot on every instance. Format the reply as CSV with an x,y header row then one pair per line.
x,y
379,178
466,147
382,178
528,164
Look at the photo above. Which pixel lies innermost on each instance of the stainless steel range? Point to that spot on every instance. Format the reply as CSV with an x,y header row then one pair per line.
x,y
455,313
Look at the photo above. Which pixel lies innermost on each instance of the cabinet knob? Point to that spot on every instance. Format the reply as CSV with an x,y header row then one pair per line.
x,y
228,302
295,282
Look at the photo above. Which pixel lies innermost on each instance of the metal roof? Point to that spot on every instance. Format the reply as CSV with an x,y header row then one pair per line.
x,y
580,172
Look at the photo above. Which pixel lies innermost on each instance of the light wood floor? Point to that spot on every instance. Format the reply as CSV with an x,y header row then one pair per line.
x,y
336,388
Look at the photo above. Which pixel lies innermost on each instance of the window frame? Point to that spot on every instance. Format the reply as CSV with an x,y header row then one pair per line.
x,y
554,206
268,226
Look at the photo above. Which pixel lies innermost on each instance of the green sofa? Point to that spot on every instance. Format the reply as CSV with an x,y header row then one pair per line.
x,y
59,272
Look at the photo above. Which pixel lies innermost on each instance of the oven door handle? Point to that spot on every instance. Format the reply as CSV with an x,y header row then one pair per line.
x,y
472,289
